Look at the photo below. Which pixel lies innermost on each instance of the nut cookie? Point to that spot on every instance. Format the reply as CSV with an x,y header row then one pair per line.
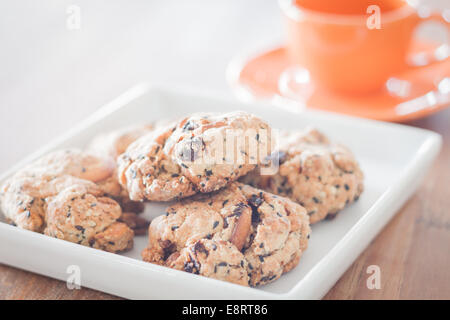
x,y
214,259
81,214
114,143
195,143
73,162
321,176
146,172
278,237
238,234
24,198
201,153
36,196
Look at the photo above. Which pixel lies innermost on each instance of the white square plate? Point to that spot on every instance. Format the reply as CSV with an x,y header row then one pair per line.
x,y
393,157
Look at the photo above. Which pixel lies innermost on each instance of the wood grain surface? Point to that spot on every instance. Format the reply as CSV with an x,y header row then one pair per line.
x,y
413,251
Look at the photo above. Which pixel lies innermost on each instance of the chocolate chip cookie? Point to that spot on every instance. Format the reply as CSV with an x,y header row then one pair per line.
x,y
201,153
238,234
321,176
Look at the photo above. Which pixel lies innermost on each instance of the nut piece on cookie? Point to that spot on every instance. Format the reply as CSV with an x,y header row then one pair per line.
x,y
247,230
321,176
201,153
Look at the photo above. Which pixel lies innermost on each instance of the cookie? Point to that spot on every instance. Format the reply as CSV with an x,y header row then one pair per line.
x,y
201,153
238,234
73,162
146,172
24,198
114,143
59,195
81,214
214,259
321,176
111,145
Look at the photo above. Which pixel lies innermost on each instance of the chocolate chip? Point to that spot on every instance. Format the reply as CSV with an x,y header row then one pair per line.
x,y
255,200
316,200
168,248
191,267
174,228
238,210
255,216
222,264
331,216
189,126
208,172
267,278
175,175
199,247
216,223
346,187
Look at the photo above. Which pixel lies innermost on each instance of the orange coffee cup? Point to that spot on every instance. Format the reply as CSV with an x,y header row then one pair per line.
x,y
351,46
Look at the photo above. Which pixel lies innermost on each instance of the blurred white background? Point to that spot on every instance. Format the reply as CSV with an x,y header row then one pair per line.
x,y
52,77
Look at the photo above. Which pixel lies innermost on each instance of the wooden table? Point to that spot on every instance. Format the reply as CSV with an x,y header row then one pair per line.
x,y
413,251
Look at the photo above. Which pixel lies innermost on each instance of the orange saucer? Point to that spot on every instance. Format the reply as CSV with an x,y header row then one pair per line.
x,y
428,88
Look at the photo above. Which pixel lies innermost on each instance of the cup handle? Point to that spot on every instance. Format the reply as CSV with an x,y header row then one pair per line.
x,y
442,52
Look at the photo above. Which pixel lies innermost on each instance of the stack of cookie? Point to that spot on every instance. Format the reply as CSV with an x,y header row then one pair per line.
x,y
240,203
